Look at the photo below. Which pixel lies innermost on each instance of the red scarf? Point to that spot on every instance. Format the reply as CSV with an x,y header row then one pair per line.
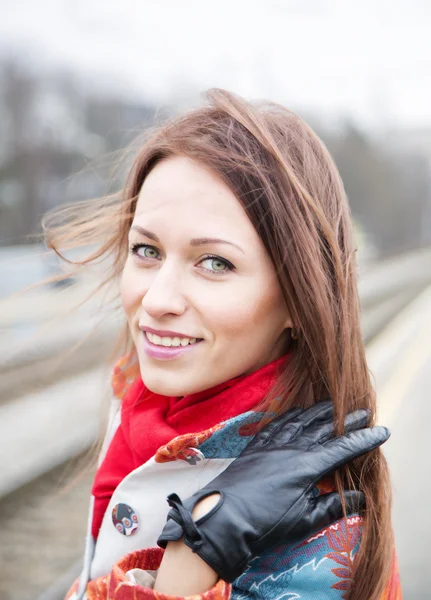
x,y
149,421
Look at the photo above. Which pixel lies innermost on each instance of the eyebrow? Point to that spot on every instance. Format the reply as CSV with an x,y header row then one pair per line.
x,y
193,242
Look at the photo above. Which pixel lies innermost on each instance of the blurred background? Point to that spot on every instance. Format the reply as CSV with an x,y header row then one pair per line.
x,y
78,82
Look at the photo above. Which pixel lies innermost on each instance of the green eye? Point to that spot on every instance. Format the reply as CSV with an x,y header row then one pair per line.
x,y
219,265
148,250
146,253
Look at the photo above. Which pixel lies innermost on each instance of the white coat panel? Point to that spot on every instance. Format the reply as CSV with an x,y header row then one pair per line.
x,y
145,490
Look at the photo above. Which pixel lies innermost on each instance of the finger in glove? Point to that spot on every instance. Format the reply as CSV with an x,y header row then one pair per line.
x,y
289,425
324,510
318,434
342,449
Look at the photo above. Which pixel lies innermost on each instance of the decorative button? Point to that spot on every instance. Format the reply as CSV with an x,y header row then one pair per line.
x,y
125,519
191,455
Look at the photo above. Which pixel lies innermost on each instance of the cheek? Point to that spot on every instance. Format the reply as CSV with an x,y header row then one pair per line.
x,y
248,311
129,292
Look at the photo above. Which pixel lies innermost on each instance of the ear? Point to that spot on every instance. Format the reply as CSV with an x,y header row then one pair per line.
x,y
288,323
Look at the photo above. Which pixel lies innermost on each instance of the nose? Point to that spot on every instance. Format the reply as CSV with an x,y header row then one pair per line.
x,y
164,294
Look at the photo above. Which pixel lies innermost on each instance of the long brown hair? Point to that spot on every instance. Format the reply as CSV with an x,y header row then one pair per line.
x,y
285,179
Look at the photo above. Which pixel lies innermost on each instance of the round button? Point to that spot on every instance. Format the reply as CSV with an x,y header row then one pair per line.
x,y
125,519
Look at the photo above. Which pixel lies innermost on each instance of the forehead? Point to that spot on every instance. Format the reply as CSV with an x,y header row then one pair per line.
x,y
181,190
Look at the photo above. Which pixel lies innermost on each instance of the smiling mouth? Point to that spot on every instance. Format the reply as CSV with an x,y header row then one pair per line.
x,y
170,342
163,353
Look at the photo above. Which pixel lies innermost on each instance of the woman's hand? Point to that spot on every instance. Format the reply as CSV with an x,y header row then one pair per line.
x,y
266,494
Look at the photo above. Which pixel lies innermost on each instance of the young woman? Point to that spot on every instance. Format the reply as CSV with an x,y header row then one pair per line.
x,y
244,395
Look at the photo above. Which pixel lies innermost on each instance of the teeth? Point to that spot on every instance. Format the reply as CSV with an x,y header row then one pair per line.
x,y
168,341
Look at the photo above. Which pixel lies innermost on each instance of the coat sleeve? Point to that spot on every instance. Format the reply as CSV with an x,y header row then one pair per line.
x,y
130,579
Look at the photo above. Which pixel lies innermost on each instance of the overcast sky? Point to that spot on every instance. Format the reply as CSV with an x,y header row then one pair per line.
x,y
368,58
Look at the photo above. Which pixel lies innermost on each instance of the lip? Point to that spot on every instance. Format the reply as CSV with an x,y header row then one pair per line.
x,y
166,333
165,352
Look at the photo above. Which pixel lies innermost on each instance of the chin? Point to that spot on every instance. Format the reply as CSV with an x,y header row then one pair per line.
x,y
160,388
161,383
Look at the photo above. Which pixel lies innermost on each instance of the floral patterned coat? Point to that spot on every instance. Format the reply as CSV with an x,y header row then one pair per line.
x,y
118,566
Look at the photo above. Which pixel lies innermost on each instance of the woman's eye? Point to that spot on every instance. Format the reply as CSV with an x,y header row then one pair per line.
x,y
218,265
147,251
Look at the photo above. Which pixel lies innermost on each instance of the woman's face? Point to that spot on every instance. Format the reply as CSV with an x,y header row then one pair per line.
x,y
231,301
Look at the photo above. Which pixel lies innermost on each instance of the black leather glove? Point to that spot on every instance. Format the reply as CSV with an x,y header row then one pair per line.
x,y
268,493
